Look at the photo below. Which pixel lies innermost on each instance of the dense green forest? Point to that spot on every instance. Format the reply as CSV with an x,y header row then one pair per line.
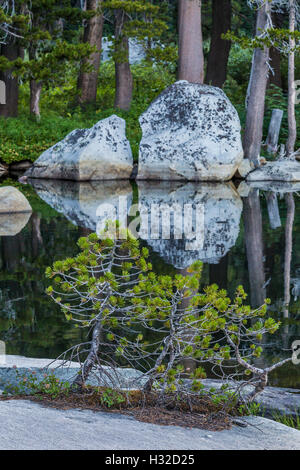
x,y
55,79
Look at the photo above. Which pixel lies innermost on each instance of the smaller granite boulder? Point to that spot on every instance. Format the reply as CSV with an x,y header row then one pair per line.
x,y
99,153
190,132
280,170
13,201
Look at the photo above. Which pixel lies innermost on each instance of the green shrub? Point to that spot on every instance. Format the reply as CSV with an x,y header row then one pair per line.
x,y
29,384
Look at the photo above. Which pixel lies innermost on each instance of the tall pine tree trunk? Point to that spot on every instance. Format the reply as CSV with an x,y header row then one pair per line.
x,y
191,60
124,80
257,91
10,108
88,81
219,48
292,136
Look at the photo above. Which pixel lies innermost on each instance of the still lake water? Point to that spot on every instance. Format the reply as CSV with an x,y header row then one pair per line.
x,y
243,235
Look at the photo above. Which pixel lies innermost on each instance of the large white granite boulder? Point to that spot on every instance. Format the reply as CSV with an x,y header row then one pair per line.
x,y
190,132
99,153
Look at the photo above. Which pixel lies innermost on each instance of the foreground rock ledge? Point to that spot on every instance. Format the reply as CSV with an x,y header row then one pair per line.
x,y
190,132
30,426
99,153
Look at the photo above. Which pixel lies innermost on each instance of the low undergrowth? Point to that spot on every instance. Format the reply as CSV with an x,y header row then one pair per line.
x,y
288,420
207,410
199,412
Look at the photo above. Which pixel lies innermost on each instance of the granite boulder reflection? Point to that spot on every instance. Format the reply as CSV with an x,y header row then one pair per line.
x,y
186,222
87,205
12,224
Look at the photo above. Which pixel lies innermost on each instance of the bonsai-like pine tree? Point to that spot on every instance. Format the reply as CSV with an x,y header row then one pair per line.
x,y
156,324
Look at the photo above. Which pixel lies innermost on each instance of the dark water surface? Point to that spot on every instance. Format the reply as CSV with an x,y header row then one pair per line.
x,y
248,236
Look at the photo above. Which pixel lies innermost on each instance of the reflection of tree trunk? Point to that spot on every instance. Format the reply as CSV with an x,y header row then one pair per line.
x,y
11,252
273,210
84,232
36,237
218,273
254,247
288,251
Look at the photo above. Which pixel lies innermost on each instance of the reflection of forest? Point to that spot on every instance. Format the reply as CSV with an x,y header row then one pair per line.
x,y
256,242
30,323
265,259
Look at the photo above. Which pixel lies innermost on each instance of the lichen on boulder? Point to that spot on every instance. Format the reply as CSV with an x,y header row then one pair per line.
x,y
190,132
99,153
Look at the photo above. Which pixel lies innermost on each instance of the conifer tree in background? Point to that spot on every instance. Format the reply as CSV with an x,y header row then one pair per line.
x,y
11,27
49,46
10,51
257,86
93,28
11,22
137,19
190,43
275,55
268,38
123,75
287,42
292,135
219,47
38,39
